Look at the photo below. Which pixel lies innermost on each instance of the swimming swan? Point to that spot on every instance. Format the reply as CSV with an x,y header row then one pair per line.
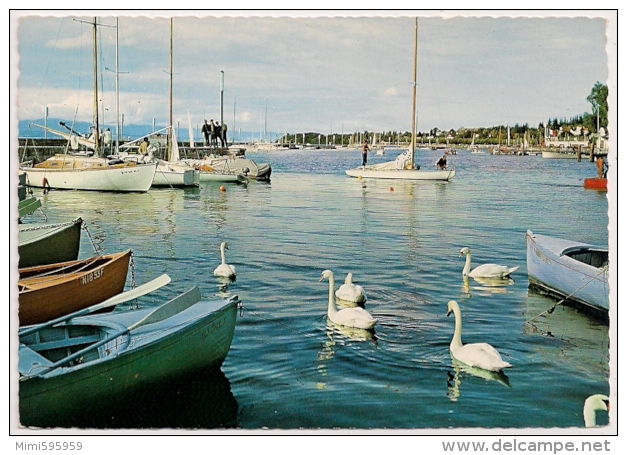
x,y
479,355
484,270
351,292
592,404
350,317
224,270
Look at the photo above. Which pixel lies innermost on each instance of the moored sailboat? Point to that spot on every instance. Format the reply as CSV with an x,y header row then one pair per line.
x,y
403,167
88,171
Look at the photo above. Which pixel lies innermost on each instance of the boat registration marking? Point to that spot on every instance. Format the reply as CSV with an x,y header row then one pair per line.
x,y
92,276
132,171
214,327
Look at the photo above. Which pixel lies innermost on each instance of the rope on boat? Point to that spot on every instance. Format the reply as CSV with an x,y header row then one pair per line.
x,y
550,310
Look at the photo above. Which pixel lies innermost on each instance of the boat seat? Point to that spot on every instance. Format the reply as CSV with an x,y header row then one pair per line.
x,y
29,360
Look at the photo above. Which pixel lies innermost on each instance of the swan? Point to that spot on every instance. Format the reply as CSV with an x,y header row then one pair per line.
x,y
350,292
479,355
355,317
224,270
592,404
484,270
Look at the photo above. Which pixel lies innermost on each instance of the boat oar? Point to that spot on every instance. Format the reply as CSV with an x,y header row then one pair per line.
x,y
112,301
165,311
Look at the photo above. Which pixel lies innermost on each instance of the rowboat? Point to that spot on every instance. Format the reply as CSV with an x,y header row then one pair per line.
x,y
49,291
42,244
573,271
595,183
95,358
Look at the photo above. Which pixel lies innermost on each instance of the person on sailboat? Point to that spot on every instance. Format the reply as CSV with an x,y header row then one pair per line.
x,y
364,153
206,131
143,147
441,163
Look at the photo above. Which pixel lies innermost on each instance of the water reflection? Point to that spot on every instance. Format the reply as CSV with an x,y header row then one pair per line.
x,y
200,400
339,336
454,380
487,286
566,338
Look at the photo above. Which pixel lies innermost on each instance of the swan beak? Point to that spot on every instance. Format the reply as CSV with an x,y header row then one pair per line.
x,y
321,278
448,313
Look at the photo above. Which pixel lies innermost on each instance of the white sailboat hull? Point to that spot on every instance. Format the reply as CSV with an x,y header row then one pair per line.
x,y
400,174
118,178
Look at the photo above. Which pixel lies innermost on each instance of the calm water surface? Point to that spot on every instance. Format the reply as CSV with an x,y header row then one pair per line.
x,y
289,367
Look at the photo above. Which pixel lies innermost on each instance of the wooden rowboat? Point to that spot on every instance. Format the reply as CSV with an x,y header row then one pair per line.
x,y
50,291
42,244
94,359
572,271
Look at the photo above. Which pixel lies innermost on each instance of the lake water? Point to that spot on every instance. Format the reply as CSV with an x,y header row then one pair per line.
x,y
290,368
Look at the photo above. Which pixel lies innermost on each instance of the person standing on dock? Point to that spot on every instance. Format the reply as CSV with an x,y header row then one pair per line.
x,y
223,132
218,130
206,131
214,137
364,153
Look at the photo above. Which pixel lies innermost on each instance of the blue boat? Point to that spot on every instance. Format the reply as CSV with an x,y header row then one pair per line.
x,y
572,271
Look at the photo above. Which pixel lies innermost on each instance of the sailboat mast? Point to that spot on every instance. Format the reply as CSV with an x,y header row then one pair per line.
x,y
96,127
170,135
413,108
117,90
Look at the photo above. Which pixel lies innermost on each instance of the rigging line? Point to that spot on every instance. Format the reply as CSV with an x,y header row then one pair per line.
x,y
550,310
48,64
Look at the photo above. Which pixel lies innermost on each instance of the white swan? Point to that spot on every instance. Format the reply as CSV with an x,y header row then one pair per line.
x,y
224,270
479,355
484,270
350,317
592,404
350,292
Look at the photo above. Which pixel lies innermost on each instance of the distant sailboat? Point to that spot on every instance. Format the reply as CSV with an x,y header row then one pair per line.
x,y
402,168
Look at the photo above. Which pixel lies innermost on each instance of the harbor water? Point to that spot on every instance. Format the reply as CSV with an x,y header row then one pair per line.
x,y
291,368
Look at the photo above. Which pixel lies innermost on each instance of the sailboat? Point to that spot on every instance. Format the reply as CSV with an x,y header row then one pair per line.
x,y
403,168
87,170
169,173
203,171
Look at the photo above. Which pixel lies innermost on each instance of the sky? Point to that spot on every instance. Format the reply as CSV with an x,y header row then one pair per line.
x,y
314,72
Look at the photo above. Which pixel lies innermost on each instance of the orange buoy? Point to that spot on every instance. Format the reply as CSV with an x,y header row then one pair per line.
x,y
222,188
595,183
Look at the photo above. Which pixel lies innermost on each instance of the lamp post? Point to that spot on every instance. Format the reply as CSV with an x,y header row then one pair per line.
x,y
221,97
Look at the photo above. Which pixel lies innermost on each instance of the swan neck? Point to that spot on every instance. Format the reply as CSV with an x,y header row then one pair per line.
x,y
222,254
589,417
456,342
332,309
466,265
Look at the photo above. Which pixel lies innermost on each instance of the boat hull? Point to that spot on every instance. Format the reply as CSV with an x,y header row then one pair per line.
x,y
212,176
551,270
401,174
559,155
41,244
193,340
169,177
52,291
595,184
118,178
